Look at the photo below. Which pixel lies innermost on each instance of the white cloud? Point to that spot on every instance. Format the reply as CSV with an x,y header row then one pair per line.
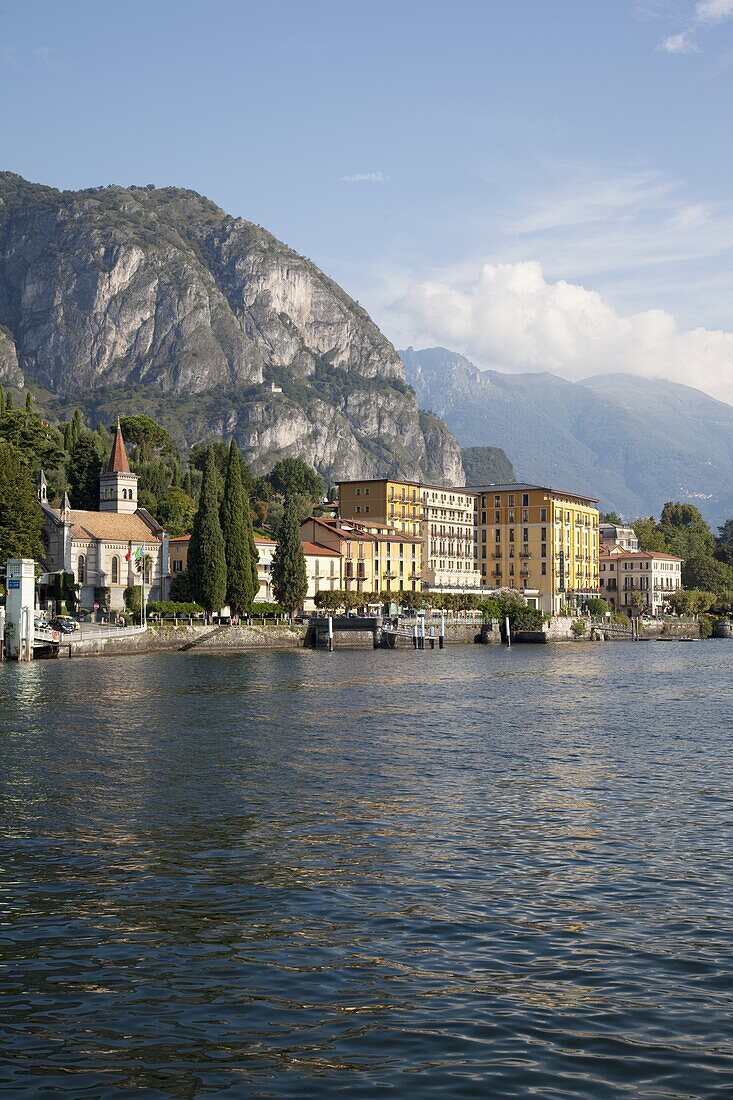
x,y
365,177
679,43
707,13
511,318
713,11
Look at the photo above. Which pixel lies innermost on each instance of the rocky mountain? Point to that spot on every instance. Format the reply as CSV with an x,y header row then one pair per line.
x,y
121,299
634,443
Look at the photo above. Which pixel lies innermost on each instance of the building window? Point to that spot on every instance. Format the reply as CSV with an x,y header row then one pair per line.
x,y
525,500
148,571
544,569
115,570
497,501
543,515
81,569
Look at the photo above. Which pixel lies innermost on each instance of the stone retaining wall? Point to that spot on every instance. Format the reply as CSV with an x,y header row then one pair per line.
x,y
170,638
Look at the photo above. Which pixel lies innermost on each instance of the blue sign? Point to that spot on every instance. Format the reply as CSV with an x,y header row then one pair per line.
x,y
14,583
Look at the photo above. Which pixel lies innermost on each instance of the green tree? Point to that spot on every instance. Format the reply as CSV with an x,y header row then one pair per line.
x,y
206,562
325,600
692,602
181,588
724,543
685,531
289,578
38,444
20,517
83,469
291,477
139,430
175,512
240,590
649,535
611,517
596,607
704,572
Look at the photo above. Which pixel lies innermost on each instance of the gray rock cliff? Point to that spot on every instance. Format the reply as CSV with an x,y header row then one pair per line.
x,y
142,297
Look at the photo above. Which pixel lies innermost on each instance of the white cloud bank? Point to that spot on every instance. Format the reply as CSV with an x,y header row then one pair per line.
x,y
511,318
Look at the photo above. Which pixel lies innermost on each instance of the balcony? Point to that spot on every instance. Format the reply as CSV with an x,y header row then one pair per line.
x,y
497,554
525,554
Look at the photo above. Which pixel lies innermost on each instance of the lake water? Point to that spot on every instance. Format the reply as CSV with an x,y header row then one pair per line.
x,y
462,873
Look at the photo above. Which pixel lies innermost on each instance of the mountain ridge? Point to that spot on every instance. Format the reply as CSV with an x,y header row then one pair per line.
x,y
632,442
156,293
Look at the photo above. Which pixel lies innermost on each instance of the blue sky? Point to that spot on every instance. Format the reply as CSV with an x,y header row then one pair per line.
x,y
542,184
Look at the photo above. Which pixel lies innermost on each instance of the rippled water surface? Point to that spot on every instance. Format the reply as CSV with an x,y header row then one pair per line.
x,y
468,873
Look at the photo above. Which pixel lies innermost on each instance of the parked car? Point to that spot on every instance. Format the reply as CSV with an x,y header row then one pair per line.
x,y
65,624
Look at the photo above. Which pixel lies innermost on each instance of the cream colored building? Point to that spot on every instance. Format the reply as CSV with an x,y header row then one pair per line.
x,y
323,570
628,577
448,530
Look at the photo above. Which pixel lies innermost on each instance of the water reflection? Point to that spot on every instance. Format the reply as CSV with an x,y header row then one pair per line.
x,y
462,873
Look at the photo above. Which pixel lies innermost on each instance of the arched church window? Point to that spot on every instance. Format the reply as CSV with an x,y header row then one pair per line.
x,y
115,570
81,569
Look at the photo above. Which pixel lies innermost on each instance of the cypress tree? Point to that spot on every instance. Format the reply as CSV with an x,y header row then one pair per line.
x,y
8,401
76,427
289,578
206,562
20,517
239,592
254,554
29,402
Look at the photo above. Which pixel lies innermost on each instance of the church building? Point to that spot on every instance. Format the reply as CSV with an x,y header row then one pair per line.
x,y
107,551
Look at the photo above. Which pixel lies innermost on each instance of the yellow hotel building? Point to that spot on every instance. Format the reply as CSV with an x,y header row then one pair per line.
x,y
382,503
539,540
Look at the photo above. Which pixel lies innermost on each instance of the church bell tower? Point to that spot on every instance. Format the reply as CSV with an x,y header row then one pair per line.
x,y
118,485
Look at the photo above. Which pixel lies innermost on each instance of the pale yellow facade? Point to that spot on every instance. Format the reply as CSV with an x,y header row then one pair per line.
x,y
382,503
538,540
373,559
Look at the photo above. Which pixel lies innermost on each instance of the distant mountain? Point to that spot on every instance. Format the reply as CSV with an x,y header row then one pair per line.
x,y
144,299
632,442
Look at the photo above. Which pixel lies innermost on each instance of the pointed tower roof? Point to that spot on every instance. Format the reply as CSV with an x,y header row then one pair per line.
x,y
65,503
118,463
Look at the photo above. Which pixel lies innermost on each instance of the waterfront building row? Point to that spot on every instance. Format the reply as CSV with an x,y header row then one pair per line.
x,y
539,540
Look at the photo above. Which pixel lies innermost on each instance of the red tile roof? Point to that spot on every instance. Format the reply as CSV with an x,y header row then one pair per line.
x,y
313,550
109,526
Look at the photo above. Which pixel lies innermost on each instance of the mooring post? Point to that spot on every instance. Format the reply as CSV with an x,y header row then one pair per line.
x,y
441,639
414,636
330,633
508,632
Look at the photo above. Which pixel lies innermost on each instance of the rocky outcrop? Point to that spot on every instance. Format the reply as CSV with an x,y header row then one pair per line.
x,y
10,372
146,295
